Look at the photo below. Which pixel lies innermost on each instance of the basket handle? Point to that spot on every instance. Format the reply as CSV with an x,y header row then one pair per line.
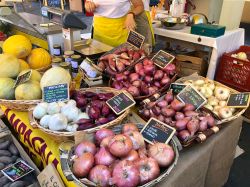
x,y
32,120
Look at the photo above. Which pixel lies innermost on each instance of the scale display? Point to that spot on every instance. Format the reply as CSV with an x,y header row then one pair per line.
x,y
54,3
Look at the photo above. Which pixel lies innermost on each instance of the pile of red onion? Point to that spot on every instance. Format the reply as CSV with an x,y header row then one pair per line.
x,y
145,79
182,117
121,160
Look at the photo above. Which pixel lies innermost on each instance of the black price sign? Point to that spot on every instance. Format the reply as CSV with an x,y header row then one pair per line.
x,y
59,92
17,170
23,78
156,131
177,87
162,59
192,96
240,100
135,39
120,103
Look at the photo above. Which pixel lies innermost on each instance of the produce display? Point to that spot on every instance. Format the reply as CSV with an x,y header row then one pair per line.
x,y
144,79
9,154
119,60
120,160
182,117
216,95
84,111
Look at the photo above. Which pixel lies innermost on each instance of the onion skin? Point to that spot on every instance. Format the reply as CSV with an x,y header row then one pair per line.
x,y
100,175
101,134
193,126
129,127
162,153
105,141
149,170
177,105
83,164
132,156
184,135
126,174
104,157
137,139
120,145
85,147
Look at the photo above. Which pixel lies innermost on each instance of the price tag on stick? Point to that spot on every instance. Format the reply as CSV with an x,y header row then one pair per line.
x,y
162,59
156,131
239,100
120,103
55,93
190,95
23,78
177,87
135,39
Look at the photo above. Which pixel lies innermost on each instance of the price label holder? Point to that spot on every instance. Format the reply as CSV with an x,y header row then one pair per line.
x,y
177,87
55,93
239,100
156,131
162,59
120,103
23,78
135,39
17,170
190,95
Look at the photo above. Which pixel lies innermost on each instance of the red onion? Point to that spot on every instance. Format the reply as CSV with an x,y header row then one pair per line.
x,y
133,77
149,69
141,72
126,174
162,153
129,127
158,75
169,97
146,113
101,134
105,141
161,118
81,102
210,121
142,152
138,67
177,105
157,84
203,125
191,113
162,103
193,126
117,85
189,107
94,112
132,156
97,103
182,124
179,116
126,84
184,135
101,121
147,62
120,77
83,164
120,145
126,73
111,117
165,81
170,69
137,83
105,110
137,139
85,147
104,157
148,79
168,120
156,110
134,91
149,170
100,175
168,112
152,90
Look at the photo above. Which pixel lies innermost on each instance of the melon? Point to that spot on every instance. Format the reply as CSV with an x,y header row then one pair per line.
x,y
35,75
9,66
28,91
7,90
24,65
17,45
55,75
39,58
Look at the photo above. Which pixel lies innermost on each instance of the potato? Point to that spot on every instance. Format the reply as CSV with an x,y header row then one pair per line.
x,y
1,167
4,145
12,148
18,184
5,153
8,184
4,180
14,158
5,160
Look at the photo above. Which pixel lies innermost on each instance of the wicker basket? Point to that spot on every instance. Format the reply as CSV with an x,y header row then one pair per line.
x,y
66,156
19,105
60,134
237,113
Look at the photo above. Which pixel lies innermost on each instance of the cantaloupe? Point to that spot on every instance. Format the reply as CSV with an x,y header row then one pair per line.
x,y
28,91
24,65
35,75
55,75
39,58
7,90
17,45
9,66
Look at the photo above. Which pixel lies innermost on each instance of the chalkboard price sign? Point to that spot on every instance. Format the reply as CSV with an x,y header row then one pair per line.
x,y
240,100
23,78
162,59
135,39
177,87
190,95
120,103
55,93
156,131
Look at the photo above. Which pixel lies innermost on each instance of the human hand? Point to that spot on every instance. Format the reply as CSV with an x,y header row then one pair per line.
x,y
90,6
130,22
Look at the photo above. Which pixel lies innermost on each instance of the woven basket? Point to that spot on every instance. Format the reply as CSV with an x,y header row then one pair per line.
x,y
66,158
19,105
236,114
60,134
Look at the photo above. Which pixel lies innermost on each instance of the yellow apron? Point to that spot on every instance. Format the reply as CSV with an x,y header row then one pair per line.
x,y
151,26
110,31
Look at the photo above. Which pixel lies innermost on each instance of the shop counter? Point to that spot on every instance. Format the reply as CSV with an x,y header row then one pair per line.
x,y
207,164
230,41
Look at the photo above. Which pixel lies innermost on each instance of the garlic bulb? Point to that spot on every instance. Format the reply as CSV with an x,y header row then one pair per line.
x,y
213,101
72,128
71,102
58,122
53,108
217,108
44,122
83,116
225,113
209,107
71,114
39,112
61,104
199,82
208,92
45,105
221,93
222,103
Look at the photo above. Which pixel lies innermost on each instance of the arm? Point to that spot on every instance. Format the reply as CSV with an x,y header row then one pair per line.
x,y
90,6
